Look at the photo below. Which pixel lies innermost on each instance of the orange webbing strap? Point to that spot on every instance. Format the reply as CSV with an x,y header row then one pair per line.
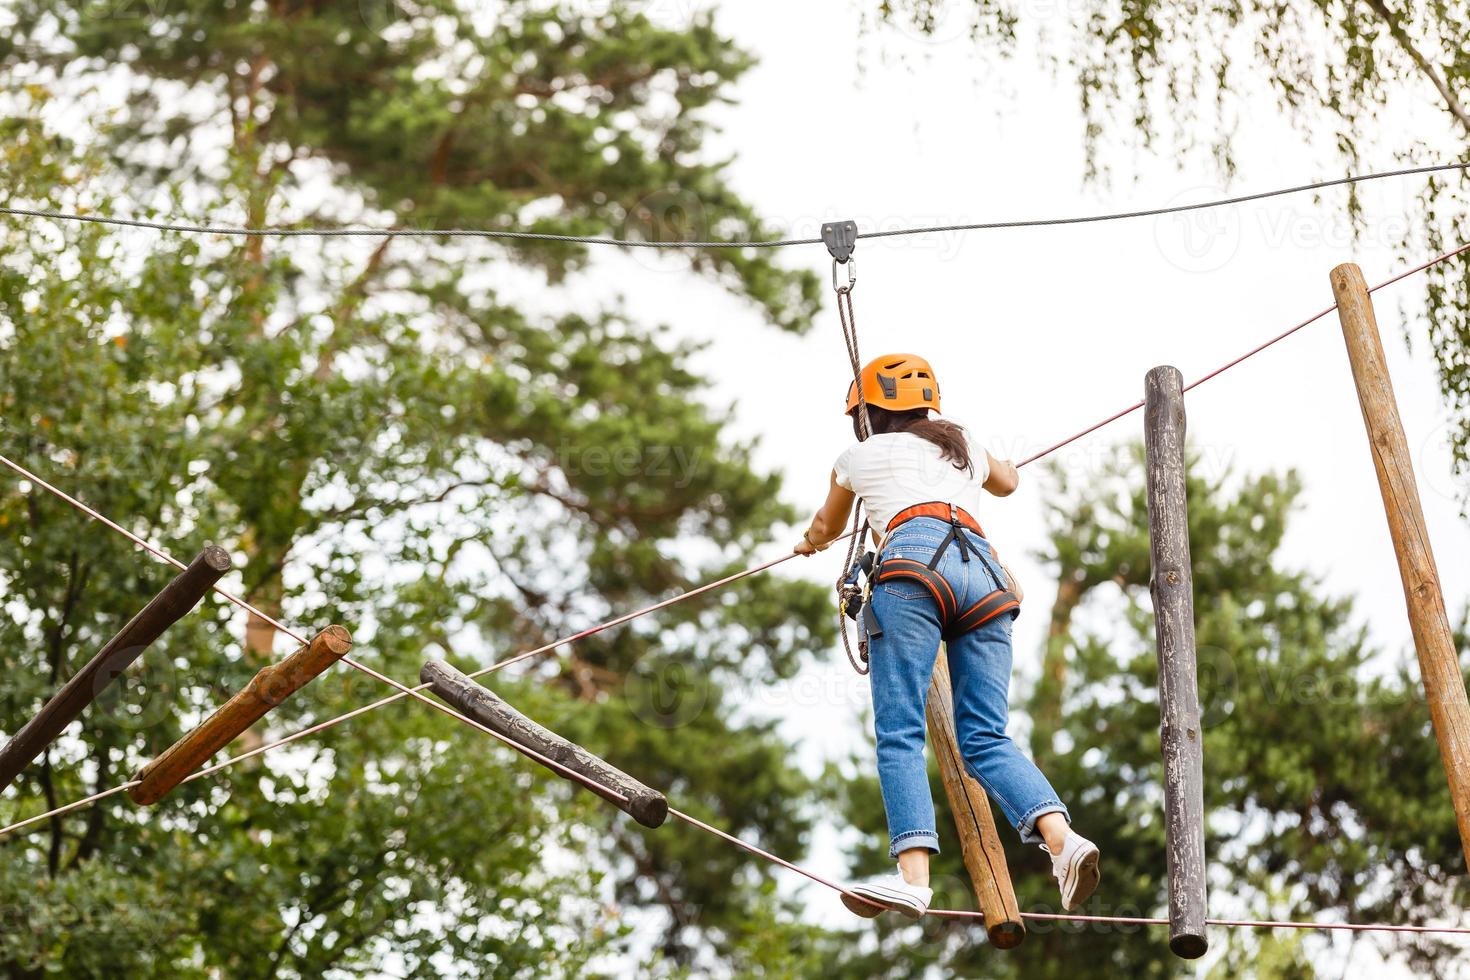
x,y
944,512
944,598
982,612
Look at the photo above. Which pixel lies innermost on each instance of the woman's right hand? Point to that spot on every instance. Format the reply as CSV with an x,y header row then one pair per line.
x,y
806,546
1003,478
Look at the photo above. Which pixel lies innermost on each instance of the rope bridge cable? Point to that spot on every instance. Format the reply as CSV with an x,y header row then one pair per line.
x,y
405,691
284,232
1071,917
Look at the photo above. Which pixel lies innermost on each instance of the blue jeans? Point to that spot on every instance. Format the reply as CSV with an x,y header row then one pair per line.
x,y
980,671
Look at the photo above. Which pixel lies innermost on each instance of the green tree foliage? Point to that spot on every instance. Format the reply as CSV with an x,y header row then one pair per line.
x,y
1325,797
383,442
1183,79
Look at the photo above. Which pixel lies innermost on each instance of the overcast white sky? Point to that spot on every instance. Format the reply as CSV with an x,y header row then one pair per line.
x,y
1037,333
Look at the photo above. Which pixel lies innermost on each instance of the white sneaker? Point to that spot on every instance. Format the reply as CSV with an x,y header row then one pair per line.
x,y
1075,869
890,893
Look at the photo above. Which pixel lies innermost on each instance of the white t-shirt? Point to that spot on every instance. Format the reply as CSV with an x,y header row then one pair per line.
x,y
893,471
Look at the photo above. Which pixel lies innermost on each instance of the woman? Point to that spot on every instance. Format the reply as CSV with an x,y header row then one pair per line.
x,y
937,577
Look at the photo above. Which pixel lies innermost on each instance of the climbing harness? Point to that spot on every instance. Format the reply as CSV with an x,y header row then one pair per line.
x,y
954,622
840,237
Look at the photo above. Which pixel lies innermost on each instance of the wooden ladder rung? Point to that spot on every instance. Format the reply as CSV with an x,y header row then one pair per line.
x,y
173,603
645,805
266,690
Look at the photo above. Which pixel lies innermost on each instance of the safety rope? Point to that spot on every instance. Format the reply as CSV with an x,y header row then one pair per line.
x,y
511,234
1123,413
849,594
405,691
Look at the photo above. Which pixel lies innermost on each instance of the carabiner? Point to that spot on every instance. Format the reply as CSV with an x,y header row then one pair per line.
x,y
837,283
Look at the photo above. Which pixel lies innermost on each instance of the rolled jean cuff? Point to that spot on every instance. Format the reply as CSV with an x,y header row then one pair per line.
x,y
911,839
1027,824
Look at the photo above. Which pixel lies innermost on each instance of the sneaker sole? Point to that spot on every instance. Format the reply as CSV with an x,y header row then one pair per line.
x,y
890,902
861,908
1085,877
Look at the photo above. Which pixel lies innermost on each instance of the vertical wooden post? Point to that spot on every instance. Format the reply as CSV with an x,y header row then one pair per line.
x,y
985,860
1172,586
177,598
1444,686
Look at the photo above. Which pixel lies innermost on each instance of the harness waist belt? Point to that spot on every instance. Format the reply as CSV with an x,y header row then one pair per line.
x,y
945,512
954,621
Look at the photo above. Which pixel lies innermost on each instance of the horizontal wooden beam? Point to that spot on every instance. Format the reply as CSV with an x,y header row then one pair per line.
x,y
647,806
177,598
266,690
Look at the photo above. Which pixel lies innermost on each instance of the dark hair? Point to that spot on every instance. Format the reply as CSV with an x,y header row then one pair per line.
x,y
950,438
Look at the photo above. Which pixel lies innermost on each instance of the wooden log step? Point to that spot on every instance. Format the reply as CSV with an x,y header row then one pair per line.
x,y
266,690
645,805
172,604
980,846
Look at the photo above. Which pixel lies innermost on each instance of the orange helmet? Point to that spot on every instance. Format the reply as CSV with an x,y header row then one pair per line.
x,y
897,382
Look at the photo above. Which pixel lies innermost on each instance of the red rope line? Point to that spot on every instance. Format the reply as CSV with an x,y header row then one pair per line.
x,y
1246,356
405,691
